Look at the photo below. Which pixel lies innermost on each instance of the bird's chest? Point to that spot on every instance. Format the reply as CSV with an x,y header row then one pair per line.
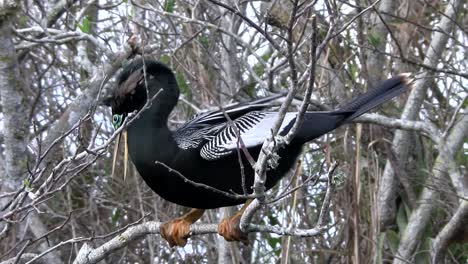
x,y
148,146
163,169
145,152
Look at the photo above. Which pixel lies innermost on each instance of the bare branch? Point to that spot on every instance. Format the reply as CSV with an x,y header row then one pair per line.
x,y
456,227
88,255
421,215
401,139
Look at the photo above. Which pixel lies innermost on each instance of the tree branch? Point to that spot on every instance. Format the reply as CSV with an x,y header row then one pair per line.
x,y
420,217
89,255
401,141
456,227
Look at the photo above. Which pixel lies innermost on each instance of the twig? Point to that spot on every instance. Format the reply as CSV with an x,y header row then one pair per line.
x,y
305,102
202,185
345,26
294,189
326,200
252,24
422,126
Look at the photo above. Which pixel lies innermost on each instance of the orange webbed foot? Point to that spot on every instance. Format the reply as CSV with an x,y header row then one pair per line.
x,y
175,232
230,230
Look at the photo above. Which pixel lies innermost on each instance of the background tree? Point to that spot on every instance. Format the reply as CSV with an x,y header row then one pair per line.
x,y
399,193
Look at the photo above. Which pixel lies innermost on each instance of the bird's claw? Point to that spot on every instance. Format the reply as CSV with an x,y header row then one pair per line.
x,y
230,230
175,232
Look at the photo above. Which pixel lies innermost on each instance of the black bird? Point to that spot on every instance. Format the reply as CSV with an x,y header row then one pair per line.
x,y
204,150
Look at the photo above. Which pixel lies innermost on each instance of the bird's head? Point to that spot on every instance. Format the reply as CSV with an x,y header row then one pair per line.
x,y
144,83
139,82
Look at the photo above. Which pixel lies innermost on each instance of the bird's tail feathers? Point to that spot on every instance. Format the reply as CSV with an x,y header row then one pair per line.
x,y
385,91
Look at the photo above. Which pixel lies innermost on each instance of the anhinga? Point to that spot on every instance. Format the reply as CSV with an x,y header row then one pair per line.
x,y
204,150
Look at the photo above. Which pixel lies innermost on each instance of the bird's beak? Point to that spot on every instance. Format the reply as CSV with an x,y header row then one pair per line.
x,y
116,151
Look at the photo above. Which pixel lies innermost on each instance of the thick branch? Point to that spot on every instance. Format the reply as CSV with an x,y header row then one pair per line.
x,y
401,141
13,100
88,255
14,109
24,259
424,127
454,228
420,217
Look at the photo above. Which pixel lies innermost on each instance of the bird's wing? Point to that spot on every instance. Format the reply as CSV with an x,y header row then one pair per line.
x,y
193,136
213,133
233,111
252,128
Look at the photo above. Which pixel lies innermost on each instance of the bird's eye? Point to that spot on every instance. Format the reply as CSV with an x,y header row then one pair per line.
x,y
117,121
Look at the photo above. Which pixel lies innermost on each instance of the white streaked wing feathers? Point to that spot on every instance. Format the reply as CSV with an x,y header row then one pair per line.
x,y
253,128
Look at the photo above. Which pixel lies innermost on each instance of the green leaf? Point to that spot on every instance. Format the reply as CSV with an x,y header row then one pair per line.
x,y
204,41
460,157
353,70
422,256
169,6
402,219
459,252
407,210
165,59
266,56
115,216
275,243
27,184
85,25
322,33
380,244
23,21
272,219
183,86
393,240
249,89
373,39
348,35
259,69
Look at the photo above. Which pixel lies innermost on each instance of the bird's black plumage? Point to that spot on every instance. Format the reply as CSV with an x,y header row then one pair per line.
x,y
204,149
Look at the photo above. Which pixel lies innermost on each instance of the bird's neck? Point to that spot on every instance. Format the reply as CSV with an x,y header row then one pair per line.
x,y
150,140
156,107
